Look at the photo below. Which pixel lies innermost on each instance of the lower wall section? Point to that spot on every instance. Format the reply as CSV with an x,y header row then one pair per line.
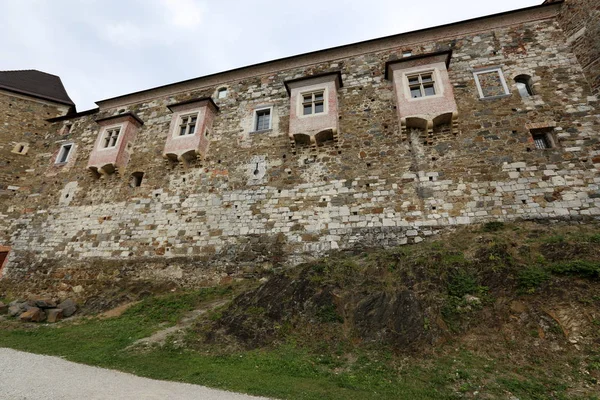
x,y
229,230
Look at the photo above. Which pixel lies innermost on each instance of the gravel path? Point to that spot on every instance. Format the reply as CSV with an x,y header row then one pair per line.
x,y
25,376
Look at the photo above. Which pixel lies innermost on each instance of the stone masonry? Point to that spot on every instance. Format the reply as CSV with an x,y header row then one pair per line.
x,y
256,197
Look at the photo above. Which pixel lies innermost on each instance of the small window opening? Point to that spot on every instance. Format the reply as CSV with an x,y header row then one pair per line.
x,y
68,128
313,103
63,154
262,120
136,179
407,53
221,93
542,138
21,148
111,137
431,178
524,85
421,85
187,126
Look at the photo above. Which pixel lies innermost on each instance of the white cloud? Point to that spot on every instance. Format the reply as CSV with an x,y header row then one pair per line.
x,y
123,33
186,14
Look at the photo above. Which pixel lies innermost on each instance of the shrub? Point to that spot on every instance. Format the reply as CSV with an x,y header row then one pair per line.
x,y
493,226
532,278
462,282
586,269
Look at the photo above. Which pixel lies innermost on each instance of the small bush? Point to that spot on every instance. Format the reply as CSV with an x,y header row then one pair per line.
x,y
462,283
532,278
595,238
586,269
328,313
493,226
554,239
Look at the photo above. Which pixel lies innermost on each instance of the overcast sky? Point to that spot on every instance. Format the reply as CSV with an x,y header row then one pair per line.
x,y
106,48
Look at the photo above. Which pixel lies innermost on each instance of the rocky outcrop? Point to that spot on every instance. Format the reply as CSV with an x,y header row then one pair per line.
x,y
39,310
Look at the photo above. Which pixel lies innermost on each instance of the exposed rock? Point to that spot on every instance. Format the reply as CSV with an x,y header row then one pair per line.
x,y
390,317
34,314
395,317
469,299
518,307
54,314
45,303
14,310
68,307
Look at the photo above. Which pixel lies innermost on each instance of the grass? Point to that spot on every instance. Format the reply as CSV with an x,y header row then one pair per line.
x,y
492,261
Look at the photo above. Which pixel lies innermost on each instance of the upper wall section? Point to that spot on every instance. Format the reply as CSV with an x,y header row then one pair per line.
x,y
445,33
580,20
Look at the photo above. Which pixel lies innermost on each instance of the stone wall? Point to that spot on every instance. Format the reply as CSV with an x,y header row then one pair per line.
x,y
580,20
25,140
371,187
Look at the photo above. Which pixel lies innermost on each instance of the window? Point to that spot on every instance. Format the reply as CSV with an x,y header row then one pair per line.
x,y
21,148
110,137
262,119
542,138
313,103
221,93
406,53
187,125
524,85
63,154
136,179
421,85
490,83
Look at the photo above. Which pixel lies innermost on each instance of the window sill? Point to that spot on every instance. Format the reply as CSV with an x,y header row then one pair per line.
x,y
494,97
261,131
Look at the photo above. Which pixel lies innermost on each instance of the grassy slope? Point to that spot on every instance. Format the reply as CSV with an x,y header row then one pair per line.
x,y
478,358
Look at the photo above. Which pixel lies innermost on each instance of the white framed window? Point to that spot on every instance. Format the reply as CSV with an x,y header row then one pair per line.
x,y
262,119
313,102
222,93
490,83
187,124
64,153
421,84
111,137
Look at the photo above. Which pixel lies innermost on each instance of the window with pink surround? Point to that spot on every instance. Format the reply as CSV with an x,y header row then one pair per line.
x,y
424,95
114,143
188,133
314,117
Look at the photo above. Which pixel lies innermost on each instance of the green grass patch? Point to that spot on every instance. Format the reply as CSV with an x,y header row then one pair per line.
x,y
531,278
582,268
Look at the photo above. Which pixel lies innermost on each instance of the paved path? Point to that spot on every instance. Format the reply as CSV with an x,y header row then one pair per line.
x,y
25,376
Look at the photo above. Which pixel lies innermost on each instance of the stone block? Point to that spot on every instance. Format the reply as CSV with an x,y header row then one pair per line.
x,y
34,314
14,310
54,314
68,307
45,303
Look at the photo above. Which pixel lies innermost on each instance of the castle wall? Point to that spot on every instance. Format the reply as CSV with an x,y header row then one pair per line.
x,y
580,20
371,187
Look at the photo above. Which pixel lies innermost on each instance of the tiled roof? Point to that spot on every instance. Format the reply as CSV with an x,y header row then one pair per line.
x,y
35,83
